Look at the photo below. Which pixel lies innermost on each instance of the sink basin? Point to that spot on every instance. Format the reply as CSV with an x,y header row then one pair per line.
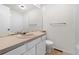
x,y
29,34
21,36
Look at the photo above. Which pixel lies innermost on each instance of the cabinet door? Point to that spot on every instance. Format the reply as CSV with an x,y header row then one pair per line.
x,y
41,47
30,52
33,43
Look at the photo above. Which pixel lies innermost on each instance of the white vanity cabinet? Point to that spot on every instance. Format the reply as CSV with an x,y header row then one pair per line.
x,y
34,47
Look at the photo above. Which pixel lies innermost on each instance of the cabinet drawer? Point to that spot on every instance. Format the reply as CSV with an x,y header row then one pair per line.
x,y
30,52
17,51
34,42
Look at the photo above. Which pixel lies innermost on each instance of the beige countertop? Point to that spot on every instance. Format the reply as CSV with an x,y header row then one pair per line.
x,y
9,43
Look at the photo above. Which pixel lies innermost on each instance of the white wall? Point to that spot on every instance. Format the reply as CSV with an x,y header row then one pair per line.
x,y
4,20
76,17
62,35
34,19
16,21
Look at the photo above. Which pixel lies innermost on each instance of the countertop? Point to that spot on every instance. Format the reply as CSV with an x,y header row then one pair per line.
x,y
9,43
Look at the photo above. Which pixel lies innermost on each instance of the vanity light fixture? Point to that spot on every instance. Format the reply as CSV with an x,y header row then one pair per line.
x,y
21,6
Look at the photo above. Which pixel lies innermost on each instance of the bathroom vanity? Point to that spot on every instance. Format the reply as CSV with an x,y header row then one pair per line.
x,y
32,43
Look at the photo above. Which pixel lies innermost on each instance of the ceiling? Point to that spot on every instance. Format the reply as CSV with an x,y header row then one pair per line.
x,y
18,9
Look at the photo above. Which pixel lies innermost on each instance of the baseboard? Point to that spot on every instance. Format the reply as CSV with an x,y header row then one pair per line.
x,y
64,51
67,52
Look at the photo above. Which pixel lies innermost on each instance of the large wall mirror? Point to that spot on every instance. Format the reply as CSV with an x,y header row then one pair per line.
x,y
20,18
